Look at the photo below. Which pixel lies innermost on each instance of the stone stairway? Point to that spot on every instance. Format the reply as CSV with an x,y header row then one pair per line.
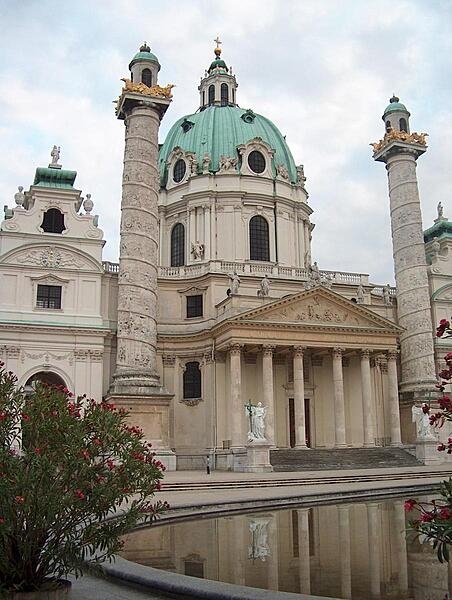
x,y
346,458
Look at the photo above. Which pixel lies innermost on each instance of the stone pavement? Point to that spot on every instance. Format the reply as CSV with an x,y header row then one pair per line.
x,y
95,588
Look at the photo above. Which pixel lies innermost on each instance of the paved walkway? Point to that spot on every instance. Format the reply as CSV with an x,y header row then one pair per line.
x,y
233,488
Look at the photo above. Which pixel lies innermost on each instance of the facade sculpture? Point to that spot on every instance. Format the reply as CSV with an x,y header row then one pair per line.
x,y
235,283
264,287
19,196
55,155
424,430
256,414
197,250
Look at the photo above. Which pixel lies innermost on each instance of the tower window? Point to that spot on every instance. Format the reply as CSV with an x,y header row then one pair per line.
x,y
403,125
48,296
256,161
224,94
194,306
53,221
259,239
211,94
388,126
179,170
178,245
192,380
146,77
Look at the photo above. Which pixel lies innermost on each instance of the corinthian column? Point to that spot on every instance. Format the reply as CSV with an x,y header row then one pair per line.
x,y
393,392
267,381
339,402
366,391
298,398
237,411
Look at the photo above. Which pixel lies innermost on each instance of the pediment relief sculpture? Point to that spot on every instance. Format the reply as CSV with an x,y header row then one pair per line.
x,y
49,257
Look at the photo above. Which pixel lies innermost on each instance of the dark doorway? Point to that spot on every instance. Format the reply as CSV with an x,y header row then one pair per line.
x,y
292,416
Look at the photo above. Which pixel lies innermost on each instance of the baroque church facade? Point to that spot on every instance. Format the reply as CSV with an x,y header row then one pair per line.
x,y
216,303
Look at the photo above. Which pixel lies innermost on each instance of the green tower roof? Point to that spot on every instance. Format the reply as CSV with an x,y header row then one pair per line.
x,y
442,228
56,178
394,106
218,130
144,54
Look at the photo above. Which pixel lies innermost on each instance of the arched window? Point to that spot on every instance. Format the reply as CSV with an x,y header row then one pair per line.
x,y
192,380
53,221
403,125
211,94
259,239
178,245
388,126
47,377
146,77
204,98
224,94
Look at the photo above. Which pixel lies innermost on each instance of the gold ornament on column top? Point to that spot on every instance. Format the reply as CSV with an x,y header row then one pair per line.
x,y
140,88
400,136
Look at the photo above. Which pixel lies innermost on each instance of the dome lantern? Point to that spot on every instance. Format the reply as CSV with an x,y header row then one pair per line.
x,y
144,66
218,87
396,116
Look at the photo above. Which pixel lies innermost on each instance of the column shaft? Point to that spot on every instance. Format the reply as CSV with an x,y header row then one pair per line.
x,y
304,560
298,393
374,548
345,552
393,391
366,391
339,402
267,382
207,233
236,404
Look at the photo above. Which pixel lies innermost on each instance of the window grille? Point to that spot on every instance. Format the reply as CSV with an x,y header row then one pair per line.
x,y
48,296
178,245
192,380
259,239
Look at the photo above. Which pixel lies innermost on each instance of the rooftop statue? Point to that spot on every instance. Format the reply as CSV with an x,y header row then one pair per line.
x,y
55,154
400,136
142,88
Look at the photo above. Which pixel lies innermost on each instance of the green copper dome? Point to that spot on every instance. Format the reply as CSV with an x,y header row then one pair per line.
x,y
394,106
218,130
144,54
215,64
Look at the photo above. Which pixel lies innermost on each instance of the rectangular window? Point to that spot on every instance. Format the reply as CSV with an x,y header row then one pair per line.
x,y
48,296
194,568
194,306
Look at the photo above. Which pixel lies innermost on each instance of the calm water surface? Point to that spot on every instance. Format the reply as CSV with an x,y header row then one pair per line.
x,y
356,551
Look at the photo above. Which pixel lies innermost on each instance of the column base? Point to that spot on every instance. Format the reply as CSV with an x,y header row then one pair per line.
x,y
427,453
150,411
301,447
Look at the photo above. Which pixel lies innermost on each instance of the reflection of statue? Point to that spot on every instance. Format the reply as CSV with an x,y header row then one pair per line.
x,y
256,414
235,283
440,210
264,287
386,296
259,539
19,196
420,416
360,295
197,249
55,154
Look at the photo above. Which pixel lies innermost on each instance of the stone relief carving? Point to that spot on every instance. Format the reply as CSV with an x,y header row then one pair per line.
x,y
206,162
52,258
300,176
314,310
282,171
69,356
197,250
19,196
227,163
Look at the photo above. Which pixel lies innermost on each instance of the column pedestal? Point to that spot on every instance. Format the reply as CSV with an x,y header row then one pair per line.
x,y
258,459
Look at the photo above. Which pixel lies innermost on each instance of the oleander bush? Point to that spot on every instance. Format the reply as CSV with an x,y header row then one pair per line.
x,y
74,478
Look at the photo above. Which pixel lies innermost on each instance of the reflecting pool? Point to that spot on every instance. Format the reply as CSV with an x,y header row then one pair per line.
x,y
356,551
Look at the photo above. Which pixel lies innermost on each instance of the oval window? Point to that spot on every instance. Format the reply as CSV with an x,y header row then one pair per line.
x,y
179,170
256,161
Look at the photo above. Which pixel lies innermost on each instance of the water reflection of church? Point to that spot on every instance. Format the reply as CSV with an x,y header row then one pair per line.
x,y
244,313
357,551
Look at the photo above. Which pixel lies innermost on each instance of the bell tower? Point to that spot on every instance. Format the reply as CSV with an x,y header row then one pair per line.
x,y
399,150
218,86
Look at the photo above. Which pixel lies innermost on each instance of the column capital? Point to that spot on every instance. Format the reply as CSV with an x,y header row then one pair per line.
x,y
298,351
235,349
337,352
365,353
392,354
267,350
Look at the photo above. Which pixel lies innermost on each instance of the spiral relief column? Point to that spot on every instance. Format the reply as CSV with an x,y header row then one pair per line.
x,y
136,384
399,150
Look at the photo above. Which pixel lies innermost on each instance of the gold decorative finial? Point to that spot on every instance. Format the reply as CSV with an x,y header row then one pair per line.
x,y
217,49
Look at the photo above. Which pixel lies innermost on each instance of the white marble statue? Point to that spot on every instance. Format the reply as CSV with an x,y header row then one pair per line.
x,y
19,196
235,283
197,249
259,547
264,287
55,154
206,162
360,295
315,271
424,431
88,204
440,211
436,246
256,415
386,296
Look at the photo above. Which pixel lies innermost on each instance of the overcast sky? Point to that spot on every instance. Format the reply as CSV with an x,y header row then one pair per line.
x,y
322,70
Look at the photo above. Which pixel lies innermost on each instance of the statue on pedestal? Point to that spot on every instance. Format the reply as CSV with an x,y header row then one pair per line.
x,y
235,283
256,415
420,416
264,287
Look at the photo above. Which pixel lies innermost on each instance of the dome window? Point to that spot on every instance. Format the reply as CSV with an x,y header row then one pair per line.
x,y
53,221
256,161
179,170
211,94
146,77
248,116
259,239
403,125
224,94
186,125
178,245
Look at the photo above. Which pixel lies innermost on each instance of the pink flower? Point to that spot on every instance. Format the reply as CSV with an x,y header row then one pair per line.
x,y
427,517
37,451
409,505
441,448
19,499
425,408
2,520
3,416
85,454
25,417
97,442
79,494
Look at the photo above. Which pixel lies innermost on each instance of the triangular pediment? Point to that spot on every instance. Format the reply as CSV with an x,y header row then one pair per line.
x,y
317,307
